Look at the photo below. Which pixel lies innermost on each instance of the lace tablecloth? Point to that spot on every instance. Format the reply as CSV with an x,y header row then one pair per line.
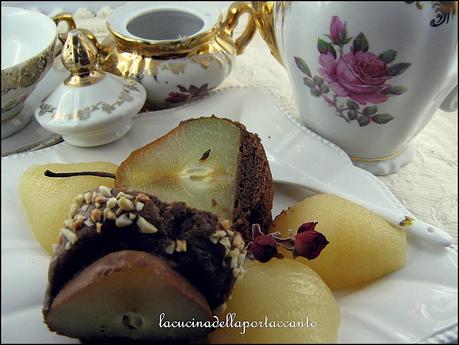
x,y
427,186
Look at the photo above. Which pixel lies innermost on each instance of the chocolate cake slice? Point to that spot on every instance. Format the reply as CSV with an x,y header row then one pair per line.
x,y
210,163
104,235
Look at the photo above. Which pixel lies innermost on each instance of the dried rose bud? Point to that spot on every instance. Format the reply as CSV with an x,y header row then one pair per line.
x,y
308,242
263,248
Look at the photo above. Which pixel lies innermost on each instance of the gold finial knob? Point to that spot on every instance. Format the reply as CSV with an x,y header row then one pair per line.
x,y
79,55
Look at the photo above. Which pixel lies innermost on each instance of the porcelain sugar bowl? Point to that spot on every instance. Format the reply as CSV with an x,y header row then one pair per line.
x,y
89,108
367,75
177,50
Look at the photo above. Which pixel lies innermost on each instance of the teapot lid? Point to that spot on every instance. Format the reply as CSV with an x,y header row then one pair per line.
x,y
90,107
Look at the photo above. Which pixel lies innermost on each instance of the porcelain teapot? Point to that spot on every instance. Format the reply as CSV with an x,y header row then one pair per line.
x,y
368,76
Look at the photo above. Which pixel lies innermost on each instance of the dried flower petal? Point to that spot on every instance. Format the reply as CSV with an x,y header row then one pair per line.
x,y
308,242
263,247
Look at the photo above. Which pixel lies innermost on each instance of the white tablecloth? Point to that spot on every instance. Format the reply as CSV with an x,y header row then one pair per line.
x,y
427,186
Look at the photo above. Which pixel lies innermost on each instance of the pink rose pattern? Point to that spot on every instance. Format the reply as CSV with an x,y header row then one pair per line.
x,y
359,76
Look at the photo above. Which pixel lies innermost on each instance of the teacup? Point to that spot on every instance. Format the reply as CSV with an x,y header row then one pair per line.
x,y
28,42
178,50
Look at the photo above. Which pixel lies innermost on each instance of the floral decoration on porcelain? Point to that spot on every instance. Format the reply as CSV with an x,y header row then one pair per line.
x,y
187,94
352,79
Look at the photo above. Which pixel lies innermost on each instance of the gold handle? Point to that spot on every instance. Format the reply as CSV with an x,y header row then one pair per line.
x,y
64,17
235,11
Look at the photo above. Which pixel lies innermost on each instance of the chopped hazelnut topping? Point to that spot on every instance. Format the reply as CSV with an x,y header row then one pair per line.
x,y
69,235
142,197
120,195
139,206
230,233
225,224
129,196
98,227
125,204
73,210
79,200
123,221
106,191
170,247
111,202
68,222
132,216
181,246
238,242
213,239
88,222
88,197
104,213
236,272
119,211
225,242
101,199
233,263
67,246
85,207
241,258
93,198
146,227
97,205
219,234
111,215
96,215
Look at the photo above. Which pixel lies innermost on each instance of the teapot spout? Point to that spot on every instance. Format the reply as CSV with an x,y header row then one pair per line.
x,y
264,14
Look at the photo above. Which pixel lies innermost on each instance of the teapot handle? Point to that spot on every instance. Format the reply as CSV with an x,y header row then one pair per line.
x,y
67,17
235,10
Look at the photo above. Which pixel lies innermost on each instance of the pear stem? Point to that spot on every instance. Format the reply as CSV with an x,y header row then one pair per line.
x,y
49,173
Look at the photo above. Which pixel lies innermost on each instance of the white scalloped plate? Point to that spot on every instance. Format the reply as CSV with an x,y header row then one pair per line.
x,y
411,305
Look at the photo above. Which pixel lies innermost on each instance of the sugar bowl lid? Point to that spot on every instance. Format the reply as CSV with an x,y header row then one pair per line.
x,y
90,107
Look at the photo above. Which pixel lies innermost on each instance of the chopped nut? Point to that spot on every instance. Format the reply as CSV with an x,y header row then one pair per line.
x,y
119,211
241,258
225,242
68,222
96,214
67,246
123,221
98,227
234,253
101,199
69,235
111,202
129,196
73,210
230,233
220,233
146,227
120,195
97,205
79,200
85,207
236,272
233,263
238,242
79,218
125,204
142,197
93,198
111,215
170,247
139,206
106,191
88,197
213,239
88,222
181,246
225,224
132,216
